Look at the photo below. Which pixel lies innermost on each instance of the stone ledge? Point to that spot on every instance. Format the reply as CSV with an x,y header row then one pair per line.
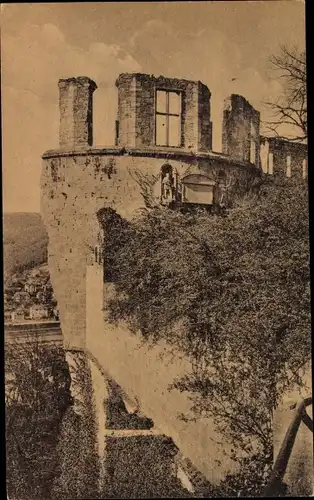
x,y
149,152
125,433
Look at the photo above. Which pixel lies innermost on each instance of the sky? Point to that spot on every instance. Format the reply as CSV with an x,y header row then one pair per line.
x,y
224,44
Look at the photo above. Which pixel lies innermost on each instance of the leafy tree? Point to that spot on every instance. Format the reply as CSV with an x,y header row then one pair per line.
x,y
290,109
37,395
232,293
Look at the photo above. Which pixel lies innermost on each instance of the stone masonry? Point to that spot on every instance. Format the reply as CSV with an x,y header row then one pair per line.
x,y
283,158
241,124
76,109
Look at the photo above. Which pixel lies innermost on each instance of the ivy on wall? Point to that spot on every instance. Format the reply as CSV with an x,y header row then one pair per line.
x,y
233,294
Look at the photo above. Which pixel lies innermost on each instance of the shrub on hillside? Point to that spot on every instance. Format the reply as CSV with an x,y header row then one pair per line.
x,y
37,395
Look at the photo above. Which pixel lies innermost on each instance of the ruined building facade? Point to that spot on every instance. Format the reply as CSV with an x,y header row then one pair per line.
x,y
164,134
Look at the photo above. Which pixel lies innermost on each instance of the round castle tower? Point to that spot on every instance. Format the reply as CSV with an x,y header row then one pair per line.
x,y
164,136
163,129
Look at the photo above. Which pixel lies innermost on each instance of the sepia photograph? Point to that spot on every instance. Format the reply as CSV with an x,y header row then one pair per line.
x,y
156,242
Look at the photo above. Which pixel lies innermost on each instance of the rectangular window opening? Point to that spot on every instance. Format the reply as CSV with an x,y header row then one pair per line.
x,y
168,118
271,163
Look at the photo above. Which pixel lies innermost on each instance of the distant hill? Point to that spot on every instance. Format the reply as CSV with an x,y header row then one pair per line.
x,y
24,241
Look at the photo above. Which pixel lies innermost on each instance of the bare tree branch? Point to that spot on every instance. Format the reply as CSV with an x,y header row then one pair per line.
x,y
291,108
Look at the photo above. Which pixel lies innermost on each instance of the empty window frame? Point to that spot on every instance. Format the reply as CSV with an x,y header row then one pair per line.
x,y
264,152
168,118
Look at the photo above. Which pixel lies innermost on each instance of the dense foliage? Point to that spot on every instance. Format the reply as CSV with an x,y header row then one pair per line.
x,y
37,395
233,293
51,451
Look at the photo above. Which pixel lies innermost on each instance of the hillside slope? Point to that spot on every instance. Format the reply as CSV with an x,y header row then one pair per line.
x,y
24,241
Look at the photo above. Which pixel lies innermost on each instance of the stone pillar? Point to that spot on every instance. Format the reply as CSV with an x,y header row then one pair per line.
x,y
76,112
126,85
205,125
241,130
94,324
95,293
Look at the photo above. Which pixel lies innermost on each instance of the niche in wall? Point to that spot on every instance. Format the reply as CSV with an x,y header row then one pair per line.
x,y
169,184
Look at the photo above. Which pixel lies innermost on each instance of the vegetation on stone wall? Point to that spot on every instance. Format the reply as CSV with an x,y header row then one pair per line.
x,y
51,445
233,293
50,450
76,449
37,396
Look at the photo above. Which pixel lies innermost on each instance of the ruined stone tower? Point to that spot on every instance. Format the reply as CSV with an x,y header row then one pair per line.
x,y
163,130
161,121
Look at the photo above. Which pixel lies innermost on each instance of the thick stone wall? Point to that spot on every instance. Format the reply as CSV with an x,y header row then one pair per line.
x,y
145,374
76,108
204,123
145,112
126,110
